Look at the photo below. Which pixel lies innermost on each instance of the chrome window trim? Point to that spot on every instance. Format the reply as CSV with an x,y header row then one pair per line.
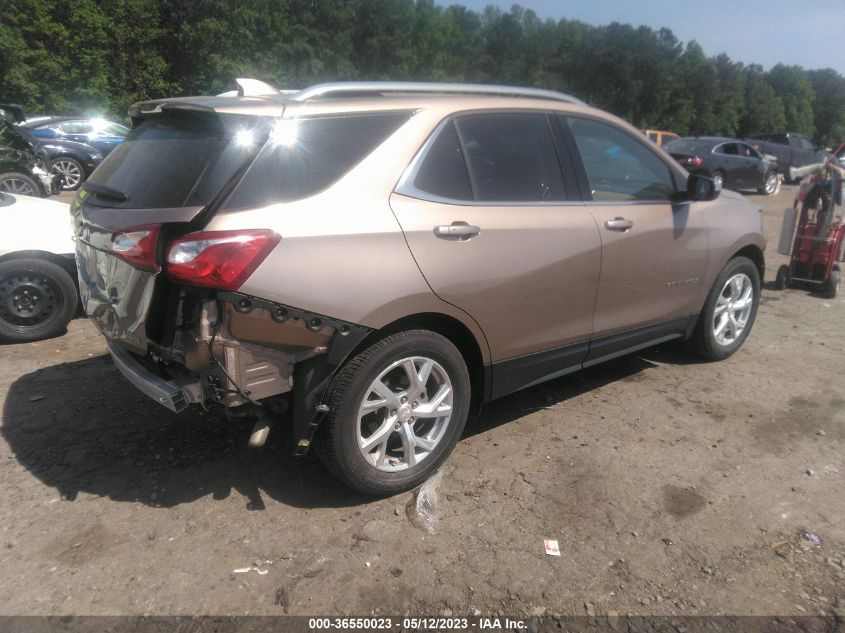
x,y
405,186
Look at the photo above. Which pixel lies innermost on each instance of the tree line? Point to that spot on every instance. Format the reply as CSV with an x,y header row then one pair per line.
x,y
73,56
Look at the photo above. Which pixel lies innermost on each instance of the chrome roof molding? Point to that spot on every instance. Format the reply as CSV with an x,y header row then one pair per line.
x,y
351,88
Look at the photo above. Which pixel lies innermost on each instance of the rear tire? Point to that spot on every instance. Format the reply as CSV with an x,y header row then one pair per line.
x,y
718,179
729,311
37,300
372,444
782,278
831,286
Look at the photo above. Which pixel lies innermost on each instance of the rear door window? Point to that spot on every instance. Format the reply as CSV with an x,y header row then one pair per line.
x,y
511,157
305,156
174,159
618,166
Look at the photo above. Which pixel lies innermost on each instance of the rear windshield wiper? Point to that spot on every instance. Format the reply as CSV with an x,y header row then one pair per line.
x,y
102,191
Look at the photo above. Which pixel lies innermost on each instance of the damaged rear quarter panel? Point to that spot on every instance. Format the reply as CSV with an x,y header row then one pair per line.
x,y
343,254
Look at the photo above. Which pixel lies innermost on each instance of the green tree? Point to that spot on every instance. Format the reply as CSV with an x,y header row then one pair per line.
x,y
763,108
828,106
68,56
795,90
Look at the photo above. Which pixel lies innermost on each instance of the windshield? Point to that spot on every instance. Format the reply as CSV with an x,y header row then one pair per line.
x,y
175,159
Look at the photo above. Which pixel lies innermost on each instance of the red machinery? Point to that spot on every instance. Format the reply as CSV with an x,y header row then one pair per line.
x,y
817,245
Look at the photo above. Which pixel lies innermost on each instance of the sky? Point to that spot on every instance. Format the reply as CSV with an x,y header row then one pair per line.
x,y
808,33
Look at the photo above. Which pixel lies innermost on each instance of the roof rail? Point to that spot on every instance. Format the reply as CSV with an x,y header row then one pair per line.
x,y
353,87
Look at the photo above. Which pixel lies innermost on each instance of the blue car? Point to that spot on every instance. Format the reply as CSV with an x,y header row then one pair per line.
x,y
99,133
73,162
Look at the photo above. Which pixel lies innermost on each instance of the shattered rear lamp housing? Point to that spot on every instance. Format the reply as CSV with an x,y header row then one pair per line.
x,y
137,246
218,259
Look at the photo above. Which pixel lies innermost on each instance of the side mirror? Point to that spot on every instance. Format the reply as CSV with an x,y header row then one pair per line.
x,y
701,188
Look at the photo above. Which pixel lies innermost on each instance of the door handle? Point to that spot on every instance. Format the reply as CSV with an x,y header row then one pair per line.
x,y
619,224
459,231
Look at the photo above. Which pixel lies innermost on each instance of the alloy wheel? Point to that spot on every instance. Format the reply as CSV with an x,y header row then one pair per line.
x,y
16,185
404,414
69,171
733,308
771,183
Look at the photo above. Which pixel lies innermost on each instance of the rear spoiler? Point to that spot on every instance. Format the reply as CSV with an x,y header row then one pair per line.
x,y
144,108
206,104
247,87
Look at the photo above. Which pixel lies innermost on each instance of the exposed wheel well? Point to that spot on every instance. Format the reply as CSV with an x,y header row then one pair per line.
x,y
453,330
755,255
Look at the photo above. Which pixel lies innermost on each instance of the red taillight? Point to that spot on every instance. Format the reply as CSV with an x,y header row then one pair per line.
x,y
137,246
695,161
218,259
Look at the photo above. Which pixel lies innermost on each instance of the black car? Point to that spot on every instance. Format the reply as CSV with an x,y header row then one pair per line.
x,y
791,150
730,163
19,170
73,162
100,133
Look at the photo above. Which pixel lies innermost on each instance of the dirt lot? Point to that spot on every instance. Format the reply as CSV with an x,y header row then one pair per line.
x,y
674,487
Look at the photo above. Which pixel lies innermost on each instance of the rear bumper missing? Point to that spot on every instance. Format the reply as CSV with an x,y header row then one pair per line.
x,y
168,393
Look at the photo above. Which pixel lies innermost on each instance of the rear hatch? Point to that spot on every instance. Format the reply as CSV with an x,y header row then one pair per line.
x,y
160,183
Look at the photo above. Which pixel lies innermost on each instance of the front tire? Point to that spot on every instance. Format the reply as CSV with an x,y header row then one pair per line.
x,y
770,184
37,300
396,411
729,311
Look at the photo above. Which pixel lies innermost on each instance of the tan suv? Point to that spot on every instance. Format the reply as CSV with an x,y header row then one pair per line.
x,y
366,264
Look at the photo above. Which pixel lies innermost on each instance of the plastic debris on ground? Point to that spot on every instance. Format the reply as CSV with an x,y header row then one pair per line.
x,y
551,546
812,537
422,509
246,570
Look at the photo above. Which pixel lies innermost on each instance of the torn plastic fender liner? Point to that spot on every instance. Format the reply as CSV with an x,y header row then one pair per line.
x,y
311,377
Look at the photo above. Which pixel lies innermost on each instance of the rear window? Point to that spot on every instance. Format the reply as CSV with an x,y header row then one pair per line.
x,y
175,159
305,156
686,146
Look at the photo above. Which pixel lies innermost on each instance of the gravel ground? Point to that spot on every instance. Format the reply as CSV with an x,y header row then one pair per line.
x,y
673,487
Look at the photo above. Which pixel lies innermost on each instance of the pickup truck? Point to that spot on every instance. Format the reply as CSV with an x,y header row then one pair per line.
x,y
791,150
